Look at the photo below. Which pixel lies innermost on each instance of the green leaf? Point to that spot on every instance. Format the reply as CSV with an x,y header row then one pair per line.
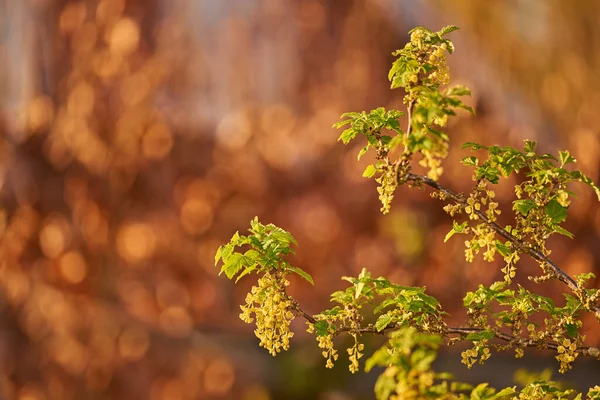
x,y
582,278
529,147
456,228
555,211
369,171
358,289
456,386
507,391
523,206
246,271
347,135
362,152
566,157
303,274
503,249
447,29
482,392
563,231
473,146
382,322
458,91
571,330
322,328
396,140
470,161
584,179
218,255
233,265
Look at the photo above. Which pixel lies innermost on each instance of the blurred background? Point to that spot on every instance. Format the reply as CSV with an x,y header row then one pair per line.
x,y
136,136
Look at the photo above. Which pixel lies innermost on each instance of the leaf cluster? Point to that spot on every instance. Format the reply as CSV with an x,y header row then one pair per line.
x,y
501,316
268,244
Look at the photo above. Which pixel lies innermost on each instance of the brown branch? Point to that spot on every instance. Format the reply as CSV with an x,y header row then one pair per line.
x,y
449,330
532,252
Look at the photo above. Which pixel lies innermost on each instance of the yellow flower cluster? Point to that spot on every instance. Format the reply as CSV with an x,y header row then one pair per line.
x,y
478,353
387,185
355,354
271,308
437,58
432,159
325,343
567,353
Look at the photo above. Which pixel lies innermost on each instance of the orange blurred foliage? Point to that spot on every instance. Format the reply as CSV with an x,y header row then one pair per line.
x,y
137,136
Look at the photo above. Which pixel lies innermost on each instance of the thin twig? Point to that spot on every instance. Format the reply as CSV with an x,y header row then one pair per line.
x,y
533,253
449,330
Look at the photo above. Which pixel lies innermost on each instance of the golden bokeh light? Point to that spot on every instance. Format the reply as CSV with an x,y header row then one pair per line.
x,y
137,136
234,131
157,142
124,37
219,377
41,113
196,216
70,354
73,267
136,242
133,343
55,236
176,321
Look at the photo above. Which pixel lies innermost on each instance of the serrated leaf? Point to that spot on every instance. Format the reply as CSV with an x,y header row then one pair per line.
x,y
347,135
473,146
523,206
218,255
470,161
369,171
303,274
233,265
382,322
459,91
566,157
555,211
529,146
447,29
322,328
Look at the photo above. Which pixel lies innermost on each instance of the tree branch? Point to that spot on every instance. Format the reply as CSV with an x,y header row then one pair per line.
x,y
449,330
533,253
